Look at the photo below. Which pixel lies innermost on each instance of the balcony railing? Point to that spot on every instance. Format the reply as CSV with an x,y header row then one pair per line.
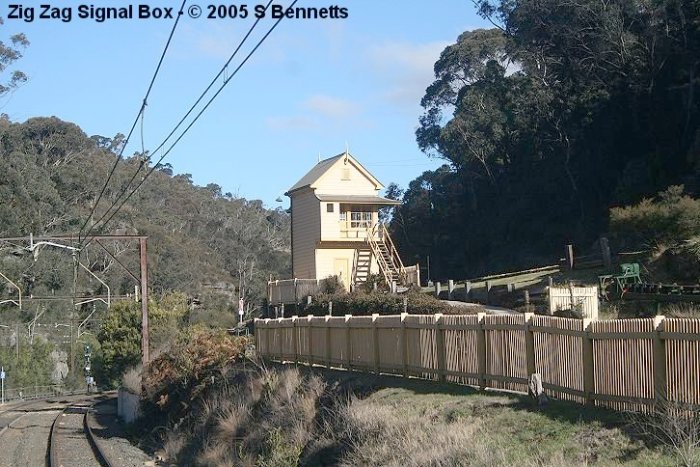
x,y
359,229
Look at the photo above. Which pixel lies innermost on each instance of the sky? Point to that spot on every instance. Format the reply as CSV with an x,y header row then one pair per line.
x,y
313,88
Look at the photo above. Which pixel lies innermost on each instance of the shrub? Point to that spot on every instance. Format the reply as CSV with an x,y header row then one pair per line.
x,y
178,376
331,285
676,427
251,416
670,218
120,334
362,304
131,380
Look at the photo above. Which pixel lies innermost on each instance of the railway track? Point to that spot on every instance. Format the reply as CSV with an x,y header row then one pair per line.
x,y
53,433
72,442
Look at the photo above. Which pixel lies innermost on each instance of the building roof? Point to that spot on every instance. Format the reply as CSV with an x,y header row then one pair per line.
x,y
324,166
358,199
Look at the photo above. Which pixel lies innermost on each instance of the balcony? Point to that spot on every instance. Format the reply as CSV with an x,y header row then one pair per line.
x,y
358,229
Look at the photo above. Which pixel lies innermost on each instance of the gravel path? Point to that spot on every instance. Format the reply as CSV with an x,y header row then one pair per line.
x,y
25,441
109,436
493,310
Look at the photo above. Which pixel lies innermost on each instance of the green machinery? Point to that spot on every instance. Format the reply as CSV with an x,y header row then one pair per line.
x,y
629,275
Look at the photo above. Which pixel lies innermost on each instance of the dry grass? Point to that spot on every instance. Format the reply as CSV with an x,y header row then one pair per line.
x,y
260,417
270,417
427,424
675,427
681,310
385,436
131,380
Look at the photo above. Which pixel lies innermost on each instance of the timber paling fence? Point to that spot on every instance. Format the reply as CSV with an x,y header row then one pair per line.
x,y
628,364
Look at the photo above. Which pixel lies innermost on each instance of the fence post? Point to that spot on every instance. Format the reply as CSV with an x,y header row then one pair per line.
x,y
328,341
572,299
311,339
481,349
569,251
257,336
437,290
375,342
659,360
295,345
526,297
588,373
296,290
550,284
404,345
348,337
441,351
267,337
529,344
450,289
282,310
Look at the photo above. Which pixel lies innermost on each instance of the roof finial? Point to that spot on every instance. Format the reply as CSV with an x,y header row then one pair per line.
x,y
347,151
319,157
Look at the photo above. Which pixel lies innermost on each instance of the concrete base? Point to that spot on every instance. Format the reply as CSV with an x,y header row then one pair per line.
x,y
128,406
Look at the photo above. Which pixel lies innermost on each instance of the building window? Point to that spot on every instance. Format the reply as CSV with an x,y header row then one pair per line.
x,y
361,219
345,175
329,207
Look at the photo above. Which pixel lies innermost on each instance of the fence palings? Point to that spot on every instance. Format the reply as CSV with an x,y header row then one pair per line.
x,y
621,364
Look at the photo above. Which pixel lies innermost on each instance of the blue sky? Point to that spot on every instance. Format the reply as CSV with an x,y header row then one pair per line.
x,y
312,87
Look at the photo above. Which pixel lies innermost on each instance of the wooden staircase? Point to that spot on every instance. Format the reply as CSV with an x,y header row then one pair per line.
x,y
361,266
382,248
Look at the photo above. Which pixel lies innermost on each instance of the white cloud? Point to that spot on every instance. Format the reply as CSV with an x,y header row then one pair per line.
x,y
414,57
291,123
331,107
406,69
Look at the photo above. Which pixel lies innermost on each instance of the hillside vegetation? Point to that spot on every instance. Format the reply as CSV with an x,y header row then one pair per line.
x,y
208,405
210,245
559,112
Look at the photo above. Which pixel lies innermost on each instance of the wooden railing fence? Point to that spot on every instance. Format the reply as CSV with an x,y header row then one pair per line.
x,y
622,364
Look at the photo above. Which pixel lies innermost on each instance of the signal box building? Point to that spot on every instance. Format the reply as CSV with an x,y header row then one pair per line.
x,y
336,229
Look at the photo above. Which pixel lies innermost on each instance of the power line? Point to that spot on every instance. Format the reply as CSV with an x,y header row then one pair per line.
x,y
182,120
221,88
140,113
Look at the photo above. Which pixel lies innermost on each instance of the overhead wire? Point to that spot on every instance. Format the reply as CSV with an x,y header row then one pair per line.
x,y
216,94
213,81
133,126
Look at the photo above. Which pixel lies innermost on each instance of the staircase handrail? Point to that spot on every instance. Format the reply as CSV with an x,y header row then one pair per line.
x,y
394,252
376,233
372,231
355,259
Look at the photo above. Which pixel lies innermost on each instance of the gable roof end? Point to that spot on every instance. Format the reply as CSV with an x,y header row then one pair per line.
x,y
324,166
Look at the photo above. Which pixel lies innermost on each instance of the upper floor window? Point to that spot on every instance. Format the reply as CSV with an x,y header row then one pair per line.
x,y
329,207
359,219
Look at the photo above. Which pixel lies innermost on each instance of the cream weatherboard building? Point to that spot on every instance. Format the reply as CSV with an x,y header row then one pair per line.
x,y
336,231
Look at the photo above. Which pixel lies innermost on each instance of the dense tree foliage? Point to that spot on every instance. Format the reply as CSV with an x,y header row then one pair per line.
x,y
212,246
28,364
119,336
10,53
559,112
